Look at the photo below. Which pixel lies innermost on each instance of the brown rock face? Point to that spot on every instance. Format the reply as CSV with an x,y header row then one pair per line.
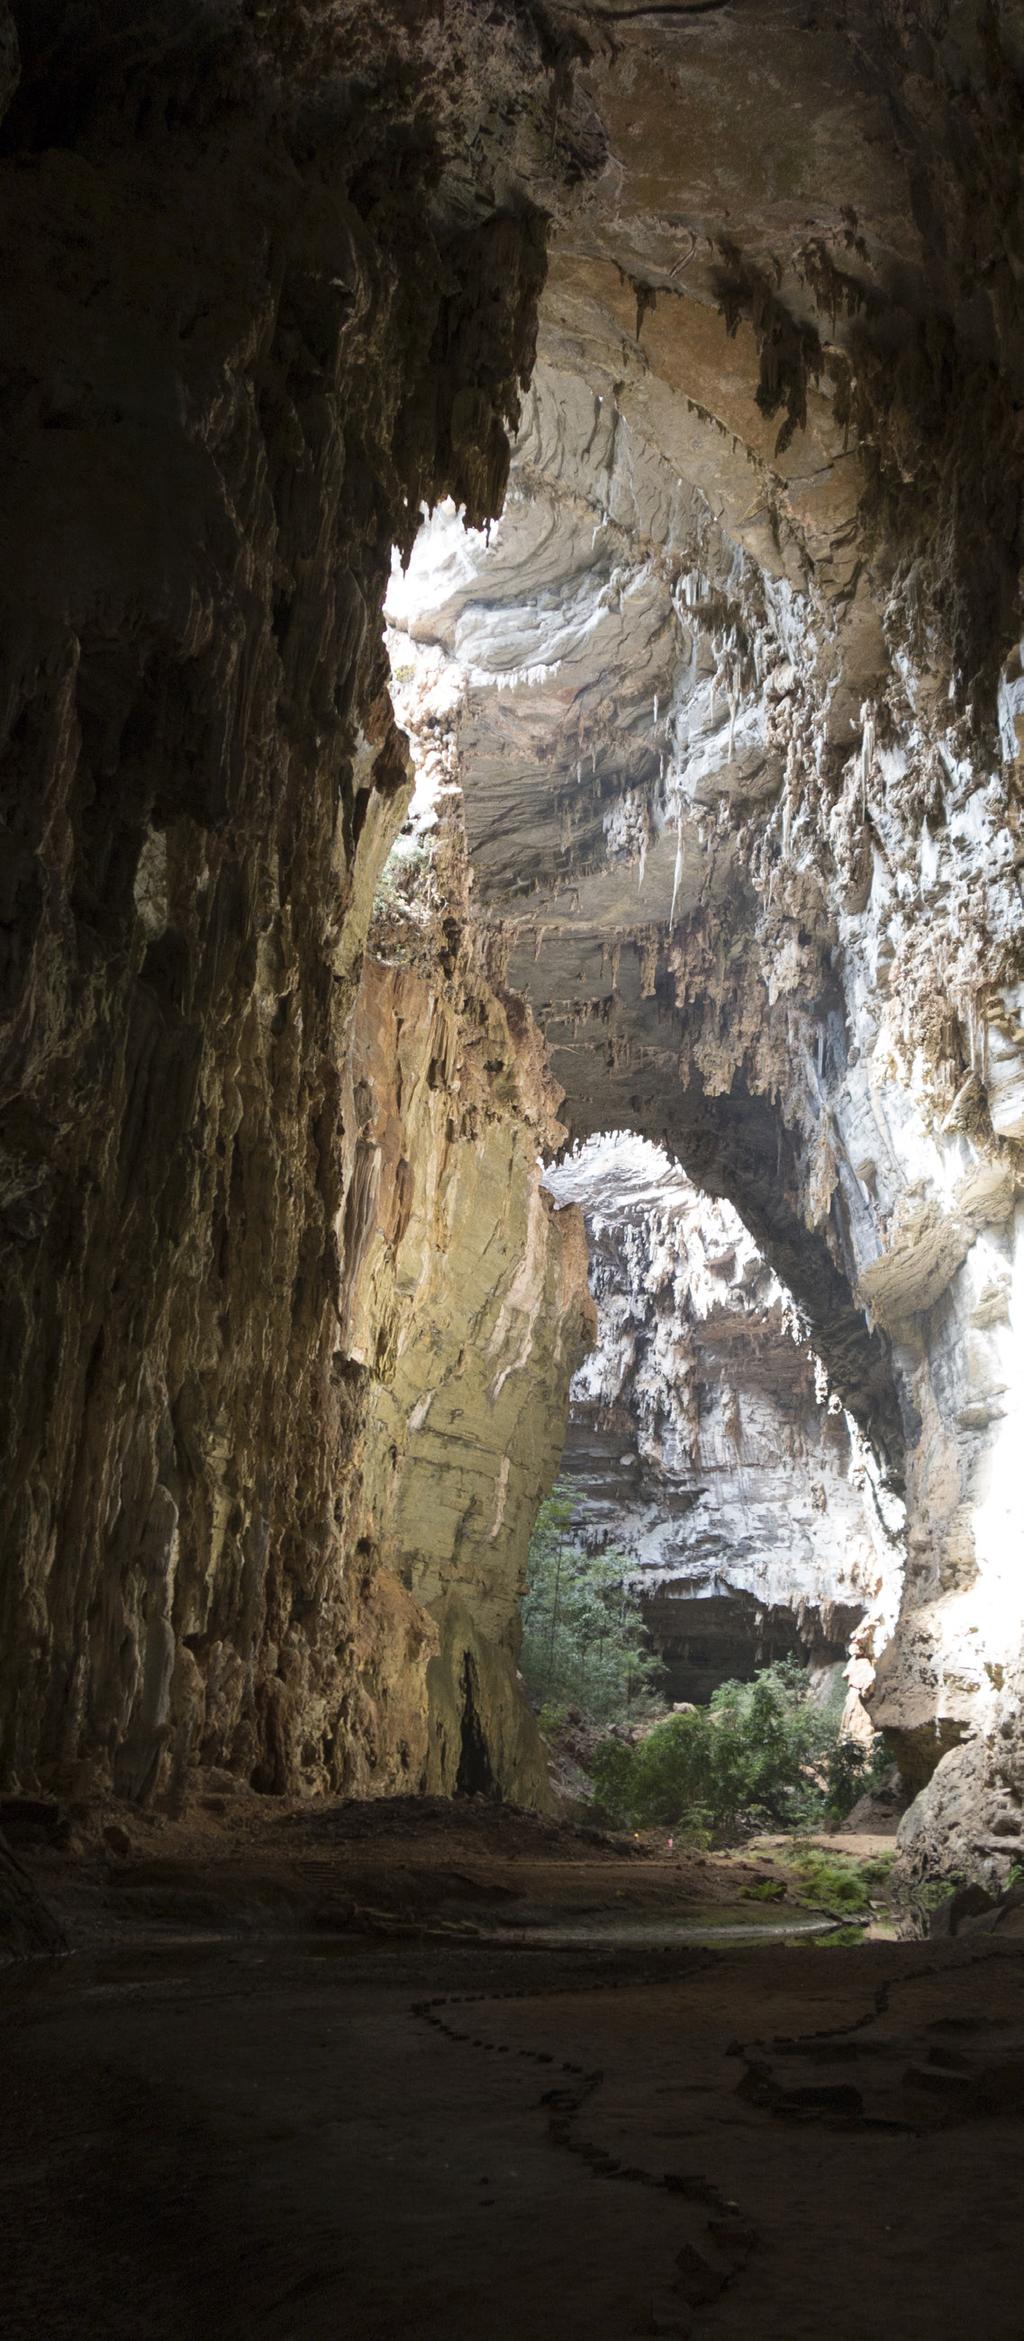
x,y
261,303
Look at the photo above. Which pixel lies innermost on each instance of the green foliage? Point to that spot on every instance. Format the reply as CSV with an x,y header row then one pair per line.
x,y
838,1938
931,1894
823,1875
832,1880
613,1769
762,1750
878,1869
584,1642
848,1774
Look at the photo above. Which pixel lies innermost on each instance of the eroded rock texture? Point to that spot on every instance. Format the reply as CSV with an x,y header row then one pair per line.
x,y
703,1441
270,283
742,732
464,1310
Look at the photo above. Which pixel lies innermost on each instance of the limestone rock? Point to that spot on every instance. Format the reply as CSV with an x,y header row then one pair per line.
x,y
704,1443
28,1928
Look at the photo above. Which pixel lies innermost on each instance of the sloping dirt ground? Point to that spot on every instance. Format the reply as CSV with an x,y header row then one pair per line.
x,y
281,2089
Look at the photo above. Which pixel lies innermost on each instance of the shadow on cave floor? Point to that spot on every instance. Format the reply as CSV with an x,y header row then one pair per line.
x,y
284,2089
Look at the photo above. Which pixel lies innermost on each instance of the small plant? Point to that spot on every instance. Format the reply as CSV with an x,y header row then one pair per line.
x,y
926,1896
878,1869
551,1716
838,1938
832,1880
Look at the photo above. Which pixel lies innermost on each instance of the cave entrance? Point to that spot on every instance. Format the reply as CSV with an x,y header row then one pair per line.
x,y
706,1447
730,1435
719,1566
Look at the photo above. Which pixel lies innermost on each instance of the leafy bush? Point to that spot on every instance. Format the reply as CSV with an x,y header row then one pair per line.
x,y
832,1879
761,1749
584,1641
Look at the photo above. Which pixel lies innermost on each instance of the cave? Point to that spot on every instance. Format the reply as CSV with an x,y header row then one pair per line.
x,y
511,963
706,1446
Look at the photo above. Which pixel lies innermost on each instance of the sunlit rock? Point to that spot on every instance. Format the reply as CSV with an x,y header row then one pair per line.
x,y
704,1443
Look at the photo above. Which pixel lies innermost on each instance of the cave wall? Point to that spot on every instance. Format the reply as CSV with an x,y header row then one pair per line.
x,y
465,1308
270,283
704,1443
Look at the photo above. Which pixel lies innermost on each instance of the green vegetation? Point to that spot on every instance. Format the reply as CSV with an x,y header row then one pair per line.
x,y
584,1642
762,1754
926,1896
838,1881
837,1938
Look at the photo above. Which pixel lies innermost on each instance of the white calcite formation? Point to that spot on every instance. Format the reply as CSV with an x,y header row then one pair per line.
x,y
704,1443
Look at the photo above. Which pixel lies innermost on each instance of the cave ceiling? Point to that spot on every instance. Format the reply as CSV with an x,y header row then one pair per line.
x,y
747,536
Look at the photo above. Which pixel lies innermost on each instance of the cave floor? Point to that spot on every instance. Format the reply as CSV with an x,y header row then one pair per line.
x,y
293,2094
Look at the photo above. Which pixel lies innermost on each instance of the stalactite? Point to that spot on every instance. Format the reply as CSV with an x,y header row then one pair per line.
x,y
677,872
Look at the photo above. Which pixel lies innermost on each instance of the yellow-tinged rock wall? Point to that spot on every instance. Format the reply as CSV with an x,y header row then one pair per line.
x,y
465,1297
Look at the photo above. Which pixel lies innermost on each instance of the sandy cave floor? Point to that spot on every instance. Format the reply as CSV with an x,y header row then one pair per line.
x,y
449,2074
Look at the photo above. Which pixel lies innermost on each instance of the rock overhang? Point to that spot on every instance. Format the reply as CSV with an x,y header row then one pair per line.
x,y
741,779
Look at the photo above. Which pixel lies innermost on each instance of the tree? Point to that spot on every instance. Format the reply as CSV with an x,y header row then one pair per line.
x,y
762,1750
584,1640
